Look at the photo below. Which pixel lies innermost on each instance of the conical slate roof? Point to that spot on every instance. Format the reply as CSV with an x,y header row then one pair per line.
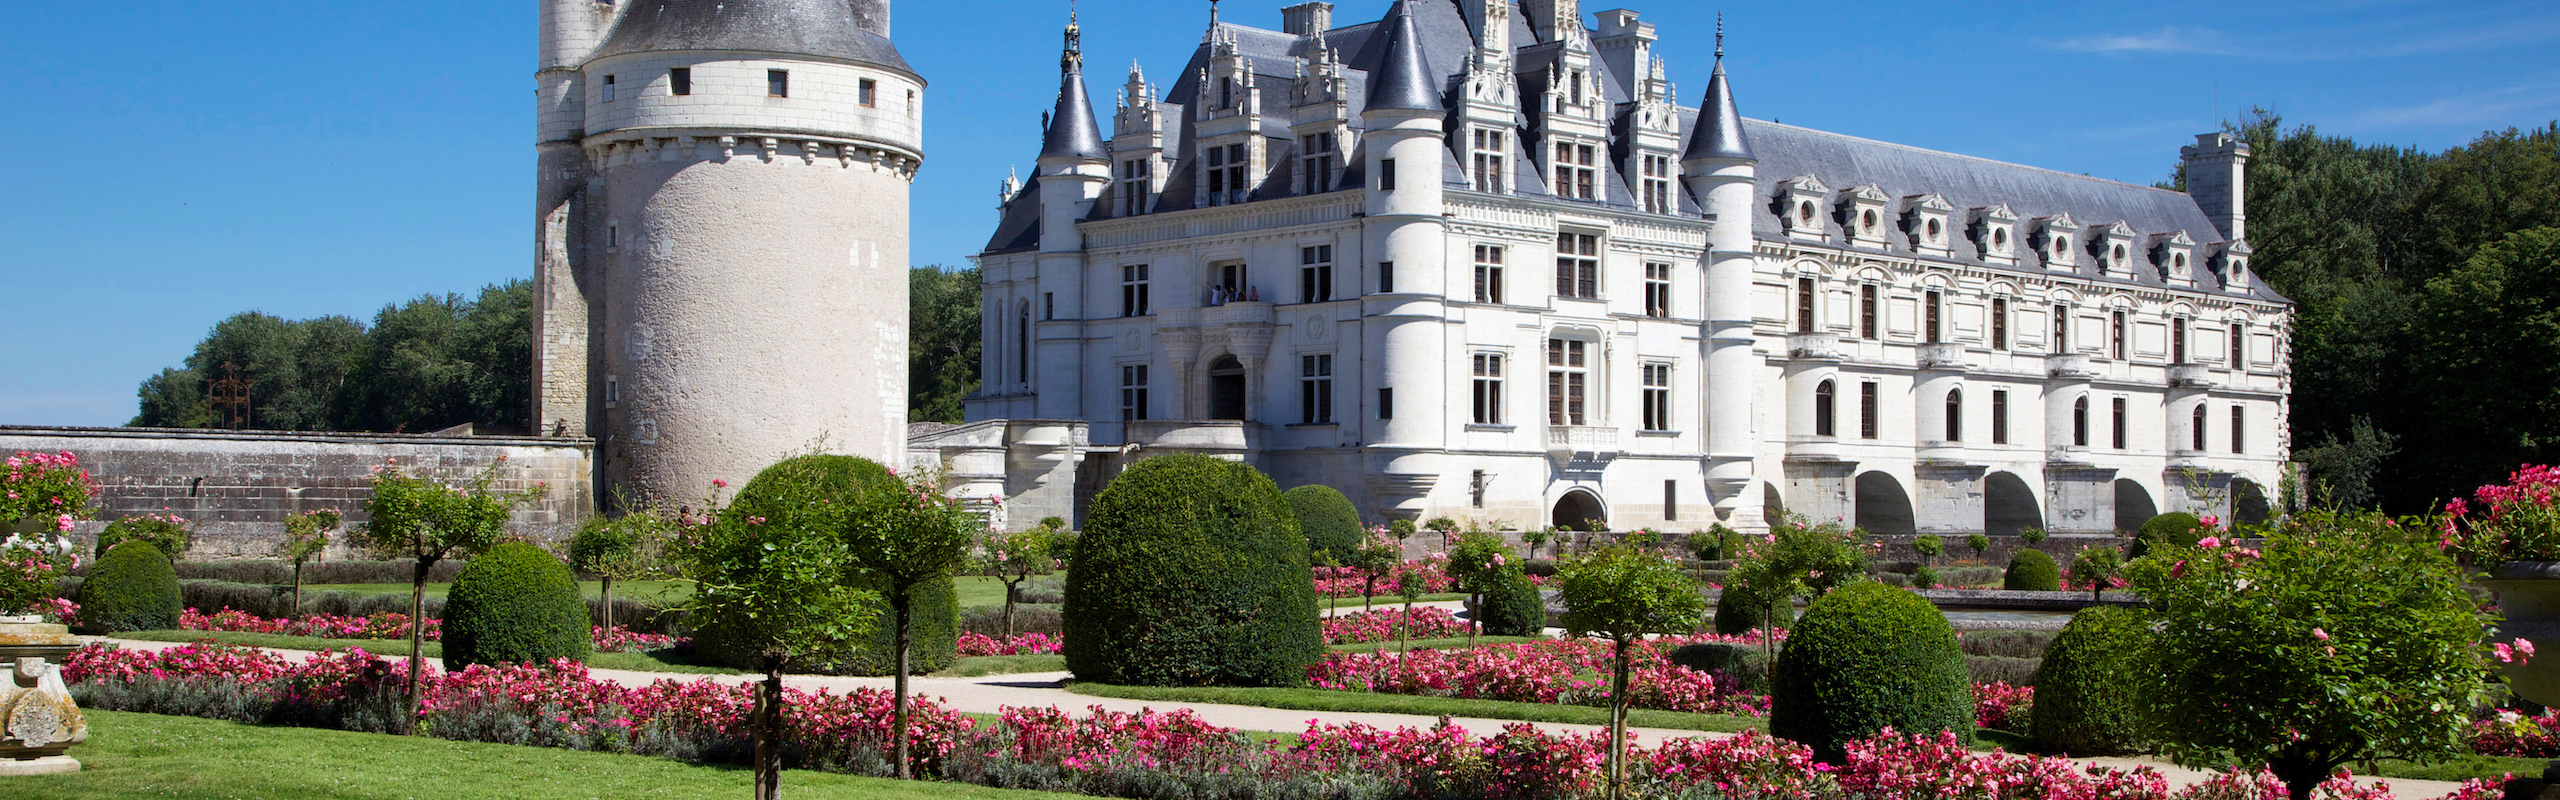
x,y
1072,133
1719,124
1403,80
853,31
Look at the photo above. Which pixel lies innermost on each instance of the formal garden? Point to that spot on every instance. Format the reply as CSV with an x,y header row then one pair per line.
x,y
1709,664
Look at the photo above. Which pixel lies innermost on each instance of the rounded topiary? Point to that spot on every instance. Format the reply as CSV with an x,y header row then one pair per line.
x,y
2085,694
1742,610
2031,570
2176,528
514,604
933,635
1865,657
1329,521
133,588
1513,606
1742,663
169,533
1191,571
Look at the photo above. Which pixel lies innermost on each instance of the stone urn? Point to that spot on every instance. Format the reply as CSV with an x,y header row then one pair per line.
x,y
38,720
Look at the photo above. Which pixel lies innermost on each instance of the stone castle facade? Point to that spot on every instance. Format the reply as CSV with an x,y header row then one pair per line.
x,y
1474,260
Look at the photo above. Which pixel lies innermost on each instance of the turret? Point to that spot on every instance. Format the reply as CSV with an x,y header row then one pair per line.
x,y
1719,169
1406,237
1073,171
569,33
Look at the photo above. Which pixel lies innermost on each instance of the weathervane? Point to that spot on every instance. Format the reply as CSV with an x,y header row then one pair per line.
x,y
1719,34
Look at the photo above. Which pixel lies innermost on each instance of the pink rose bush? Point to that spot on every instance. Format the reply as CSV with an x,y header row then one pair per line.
x,y
1562,671
2000,705
2515,521
393,625
1334,582
1026,644
1385,625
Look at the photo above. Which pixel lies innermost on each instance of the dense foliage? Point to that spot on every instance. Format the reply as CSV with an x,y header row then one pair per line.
x,y
1514,607
2086,700
1330,523
165,531
48,488
2173,529
2514,521
1623,593
132,588
770,570
1191,570
2030,570
514,604
942,342
1742,609
1867,657
30,562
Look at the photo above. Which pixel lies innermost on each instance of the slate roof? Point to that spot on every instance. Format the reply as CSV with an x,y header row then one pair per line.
x,y
1403,78
842,29
1072,132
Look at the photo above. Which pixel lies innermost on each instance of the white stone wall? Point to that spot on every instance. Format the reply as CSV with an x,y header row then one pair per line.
x,y
729,92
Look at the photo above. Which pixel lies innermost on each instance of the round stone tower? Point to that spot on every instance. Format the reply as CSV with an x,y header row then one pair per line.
x,y
735,254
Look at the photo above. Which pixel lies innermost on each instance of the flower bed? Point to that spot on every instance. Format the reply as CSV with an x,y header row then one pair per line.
x,y
1027,644
1389,624
1562,671
388,625
2000,705
1336,582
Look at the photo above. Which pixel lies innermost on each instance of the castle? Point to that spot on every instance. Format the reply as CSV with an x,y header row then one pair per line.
x,y
1474,260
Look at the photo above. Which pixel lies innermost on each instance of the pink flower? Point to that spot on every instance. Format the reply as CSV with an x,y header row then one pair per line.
x,y
62,522
2209,542
2210,521
717,483
2319,634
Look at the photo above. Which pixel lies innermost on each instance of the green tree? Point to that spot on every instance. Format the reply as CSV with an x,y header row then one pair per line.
x,y
411,515
1329,521
1477,562
942,342
2488,336
435,362
2094,565
628,547
306,536
1015,557
1623,593
1799,559
2347,638
905,537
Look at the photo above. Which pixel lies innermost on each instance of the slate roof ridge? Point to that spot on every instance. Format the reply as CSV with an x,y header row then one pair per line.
x,y
1962,156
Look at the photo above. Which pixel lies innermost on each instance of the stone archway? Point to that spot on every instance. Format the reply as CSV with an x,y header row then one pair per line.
x,y
1773,506
2133,505
2248,502
1884,509
1577,509
1226,388
2008,505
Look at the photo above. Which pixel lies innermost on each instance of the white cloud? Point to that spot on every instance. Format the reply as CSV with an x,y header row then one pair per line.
x,y
2165,40
2496,107
2461,33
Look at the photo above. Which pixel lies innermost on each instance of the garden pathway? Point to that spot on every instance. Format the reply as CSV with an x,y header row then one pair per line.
x,y
989,694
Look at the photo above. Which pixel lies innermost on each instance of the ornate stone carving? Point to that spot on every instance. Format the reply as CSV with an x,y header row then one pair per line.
x,y
38,720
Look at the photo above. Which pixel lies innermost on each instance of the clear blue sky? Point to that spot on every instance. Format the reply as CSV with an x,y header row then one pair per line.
x,y
171,164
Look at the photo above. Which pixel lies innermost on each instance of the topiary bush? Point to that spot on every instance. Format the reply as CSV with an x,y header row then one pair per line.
x,y
1742,663
933,636
1191,571
1513,606
1329,521
2031,571
1741,611
133,588
1865,657
2176,529
515,604
2085,692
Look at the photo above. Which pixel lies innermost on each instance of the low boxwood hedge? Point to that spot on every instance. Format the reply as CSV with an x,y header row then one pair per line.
x,y
515,604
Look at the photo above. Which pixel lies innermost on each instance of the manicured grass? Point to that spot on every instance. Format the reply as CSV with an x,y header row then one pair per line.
x,y
2463,768
1454,643
1329,700
1385,601
147,755
974,666
660,661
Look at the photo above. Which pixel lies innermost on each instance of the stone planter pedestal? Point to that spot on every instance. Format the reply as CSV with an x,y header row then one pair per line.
x,y
2529,594
38,720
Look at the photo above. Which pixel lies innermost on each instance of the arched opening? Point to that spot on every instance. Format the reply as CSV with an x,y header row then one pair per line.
x,y
1580,510
1226,388
1773,506
1022,344
1883,508
2080,422
2008,505
2248,502
1825,402
2133,505
1955,415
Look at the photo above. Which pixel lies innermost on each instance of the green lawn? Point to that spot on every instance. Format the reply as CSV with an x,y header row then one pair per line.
x,y
637,662
1329,700
1454,643
147,755
975,666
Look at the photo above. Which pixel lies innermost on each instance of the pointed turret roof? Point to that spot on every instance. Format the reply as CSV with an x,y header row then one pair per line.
x,y
1403,80
1073,133
1719,133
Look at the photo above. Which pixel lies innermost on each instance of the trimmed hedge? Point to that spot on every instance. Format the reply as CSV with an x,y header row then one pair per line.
x,y
2174,528
1741,611
2031,570
1741,662
1514,607
1329,521
933,635
2013,671
1191,572
132,588
2007,643
1865,657
515,604
2085,695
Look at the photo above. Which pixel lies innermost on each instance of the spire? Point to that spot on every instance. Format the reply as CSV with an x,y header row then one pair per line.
x,y
1719,133
1402,80
1072,131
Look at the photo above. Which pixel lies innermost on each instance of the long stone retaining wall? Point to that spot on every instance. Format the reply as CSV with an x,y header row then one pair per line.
x,y
238,486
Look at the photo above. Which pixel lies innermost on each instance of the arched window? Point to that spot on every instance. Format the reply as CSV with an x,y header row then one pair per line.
x,y
2080,422
1022,344
2197,431
1955,415
1824,403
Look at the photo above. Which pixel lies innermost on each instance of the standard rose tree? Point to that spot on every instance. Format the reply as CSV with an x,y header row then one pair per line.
x,y
414,516
628,547
305,536
1623,593
903,538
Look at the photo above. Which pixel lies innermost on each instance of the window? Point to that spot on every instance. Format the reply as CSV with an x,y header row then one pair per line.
x,y
2196,430
612,235
1657,184
2080,422
1226,92
867,92
608,88
912,110
1386,174
1386,403
1824,406
2119,423
2115,336
2239,345
1657,397
1566,377
1955,415
1577,87
612,390
1315,389
1999,323
1133,392
1475,488
1868,394
2178,343
1231,277
1491,159
1575,170
1226,174
680,81
1999,416
2061,328
1133,291
1931,302
1386,276
1318,162
1137,179
777,83
1804,305
2239,429
1670,500
1315,274
1488,389
1578,265
1657,290
1048,305
1022,345
1488,273
1867,311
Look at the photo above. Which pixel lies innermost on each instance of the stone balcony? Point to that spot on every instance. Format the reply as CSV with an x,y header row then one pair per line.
x,y
1600,441
2070,366
2190,376
1941,356
1237,313
1813,346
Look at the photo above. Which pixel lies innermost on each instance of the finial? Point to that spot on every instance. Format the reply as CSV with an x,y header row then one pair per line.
x,y
1073,59
1719,34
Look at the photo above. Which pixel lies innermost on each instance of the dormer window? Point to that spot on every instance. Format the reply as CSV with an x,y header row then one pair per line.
x,y
2233,263
1491,158
1804,213
1799,207
1925,220
1577,173
2057,232
1863,215
2112,247
2173,253
1993,235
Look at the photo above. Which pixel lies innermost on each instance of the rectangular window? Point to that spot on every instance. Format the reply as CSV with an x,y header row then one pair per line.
x,y
1999,416
1657,184
1137,183
1657,397
1657,290
1315,389
1931,330
608,88
1804,305
1576,172
1475,488
1217,176
2239,345
1999,323
2196,437
2178,342
1491,159
1488,389
2120,423
1578,265
1133,291
1670,500
2115,336
1867,311
612,390
1386,276
867,92
1048,305
1386,174
1386,403
680,81
777,83
1488,273
1133,392
1319,163
2061,329
1315,274
1566,377
1868,395
2239,430
1237,190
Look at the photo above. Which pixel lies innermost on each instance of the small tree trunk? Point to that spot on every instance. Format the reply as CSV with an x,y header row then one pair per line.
x,y
2301,775
900,603
607,595
1618,726
297,590
417,641
1368,591
1009,590
1475,619
768,731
